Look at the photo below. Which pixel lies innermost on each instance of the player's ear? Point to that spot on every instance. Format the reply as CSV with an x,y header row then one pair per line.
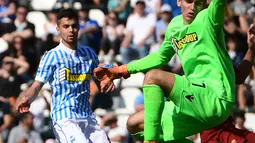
x,y
178,3
58,25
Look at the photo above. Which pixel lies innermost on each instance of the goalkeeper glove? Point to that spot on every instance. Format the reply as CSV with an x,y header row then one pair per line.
x,y
111,72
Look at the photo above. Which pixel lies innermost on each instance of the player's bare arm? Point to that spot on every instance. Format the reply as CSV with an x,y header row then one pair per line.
x,y
244,68
24,102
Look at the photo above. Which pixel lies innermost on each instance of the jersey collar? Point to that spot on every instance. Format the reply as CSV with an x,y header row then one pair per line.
x,y
66,49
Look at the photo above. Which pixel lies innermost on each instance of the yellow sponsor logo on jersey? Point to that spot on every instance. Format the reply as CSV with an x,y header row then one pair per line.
x,y
179,44
65,74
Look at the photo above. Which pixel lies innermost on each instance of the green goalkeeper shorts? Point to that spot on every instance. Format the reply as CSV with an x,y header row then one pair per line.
x,y
192,108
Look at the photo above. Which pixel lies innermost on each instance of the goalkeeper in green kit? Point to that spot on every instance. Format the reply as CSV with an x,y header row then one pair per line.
x,y
201,99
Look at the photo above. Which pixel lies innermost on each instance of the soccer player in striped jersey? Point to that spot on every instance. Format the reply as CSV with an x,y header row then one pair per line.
x,y
68,69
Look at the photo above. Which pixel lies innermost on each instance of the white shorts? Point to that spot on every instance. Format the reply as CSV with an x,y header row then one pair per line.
x,y
79,131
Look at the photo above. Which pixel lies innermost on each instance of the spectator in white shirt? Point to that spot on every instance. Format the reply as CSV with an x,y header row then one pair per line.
x,y
139,33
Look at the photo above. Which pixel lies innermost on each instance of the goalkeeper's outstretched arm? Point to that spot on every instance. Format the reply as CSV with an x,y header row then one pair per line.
x,y
216,13
156,59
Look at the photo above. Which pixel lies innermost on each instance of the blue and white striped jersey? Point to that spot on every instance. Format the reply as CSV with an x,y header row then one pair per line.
x,y
68,73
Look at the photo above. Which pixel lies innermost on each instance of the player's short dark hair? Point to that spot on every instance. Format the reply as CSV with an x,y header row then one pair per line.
x,y
68,13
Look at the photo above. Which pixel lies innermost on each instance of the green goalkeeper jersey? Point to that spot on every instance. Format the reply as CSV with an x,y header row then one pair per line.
x,y
201,49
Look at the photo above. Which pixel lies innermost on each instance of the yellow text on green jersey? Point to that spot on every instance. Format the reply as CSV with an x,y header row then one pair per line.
x,y
179,44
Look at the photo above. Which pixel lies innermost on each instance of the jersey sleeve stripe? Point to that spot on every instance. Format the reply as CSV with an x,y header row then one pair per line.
x,y
45,68
95,59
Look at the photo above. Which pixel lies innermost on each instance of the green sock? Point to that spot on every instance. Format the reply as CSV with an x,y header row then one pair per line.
x,y
153,108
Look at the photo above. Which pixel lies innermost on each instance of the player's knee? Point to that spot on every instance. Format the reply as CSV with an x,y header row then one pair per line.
x,y
132,125
151,77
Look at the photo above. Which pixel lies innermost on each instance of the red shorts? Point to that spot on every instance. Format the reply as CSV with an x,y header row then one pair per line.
x,y
226,133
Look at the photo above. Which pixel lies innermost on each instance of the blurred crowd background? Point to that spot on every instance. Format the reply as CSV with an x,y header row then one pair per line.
x,y
119,31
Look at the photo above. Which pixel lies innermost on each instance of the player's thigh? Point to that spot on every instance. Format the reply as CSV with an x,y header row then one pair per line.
x,y
200,99
193,106
165,80
135,122
68,131
92,131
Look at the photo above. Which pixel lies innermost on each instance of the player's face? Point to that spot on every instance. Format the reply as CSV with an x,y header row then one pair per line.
x,y
190,8
68,29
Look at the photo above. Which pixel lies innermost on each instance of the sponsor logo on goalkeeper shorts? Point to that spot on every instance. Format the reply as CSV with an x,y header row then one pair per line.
x,y
65,74
190,97
179,44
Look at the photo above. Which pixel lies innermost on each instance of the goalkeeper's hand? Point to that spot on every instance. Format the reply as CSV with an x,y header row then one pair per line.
x,y
107,73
